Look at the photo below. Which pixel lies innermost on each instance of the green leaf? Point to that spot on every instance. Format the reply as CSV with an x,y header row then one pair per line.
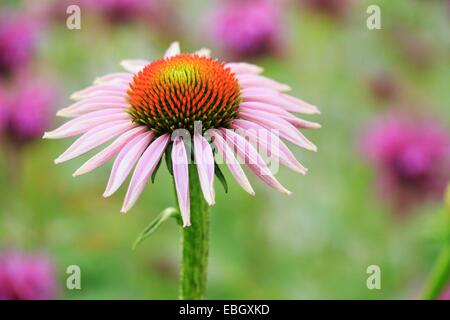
x,y
221,177
154,225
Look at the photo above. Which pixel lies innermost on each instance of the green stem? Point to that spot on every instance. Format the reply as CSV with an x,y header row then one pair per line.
x,y
439,275
195,242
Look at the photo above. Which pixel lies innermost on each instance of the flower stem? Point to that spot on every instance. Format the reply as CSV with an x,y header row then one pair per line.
x,y
440,274
195,243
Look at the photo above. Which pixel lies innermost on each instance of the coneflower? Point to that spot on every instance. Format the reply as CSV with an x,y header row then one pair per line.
x,y
164,107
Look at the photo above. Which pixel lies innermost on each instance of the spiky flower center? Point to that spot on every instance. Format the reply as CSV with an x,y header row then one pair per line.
x,y
173,93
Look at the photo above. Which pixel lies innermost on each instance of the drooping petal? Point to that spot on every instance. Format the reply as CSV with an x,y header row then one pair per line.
x,y
86,122
244,68
111,78
233,165
92,104
285,156
252,159
144,169
125,161
287,130
204,160
296,122
134,66
109,152
256,81
119,90
181,177
278,99
173,50
95,137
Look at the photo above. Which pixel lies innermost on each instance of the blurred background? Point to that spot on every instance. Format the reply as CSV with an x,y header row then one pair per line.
x,y
373,195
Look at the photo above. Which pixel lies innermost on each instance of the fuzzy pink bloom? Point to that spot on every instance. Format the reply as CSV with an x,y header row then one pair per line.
x,y
120,10
18,38
28,108
248,28
154,108
26,277
412,158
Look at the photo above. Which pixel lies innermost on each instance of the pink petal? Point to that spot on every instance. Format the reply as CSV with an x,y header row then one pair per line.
x,y
204,159
181,176
134,66
255,81
86,122
173,50
119,90
286,157
252,159
287,130
244,68
109,152
93,104
144,169
227,155
278,99
118,77
296,122
95,137
125,161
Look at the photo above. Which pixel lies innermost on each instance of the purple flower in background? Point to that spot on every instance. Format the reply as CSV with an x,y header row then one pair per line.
x,y
18,38
120,10
26,277
248,28
26,111
32,103
412,158
334,8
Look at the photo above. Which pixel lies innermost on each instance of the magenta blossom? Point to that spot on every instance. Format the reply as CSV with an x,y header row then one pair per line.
x,y
412,158
18,38
32,106
26,277
248,28
26,111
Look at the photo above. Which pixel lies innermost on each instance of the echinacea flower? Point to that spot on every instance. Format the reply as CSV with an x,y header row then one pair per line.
x,y
27,277
146,106
248,28
412,158
120,10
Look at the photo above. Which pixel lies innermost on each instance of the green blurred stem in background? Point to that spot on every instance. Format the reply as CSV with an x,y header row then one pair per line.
x,y
195,243
439,275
